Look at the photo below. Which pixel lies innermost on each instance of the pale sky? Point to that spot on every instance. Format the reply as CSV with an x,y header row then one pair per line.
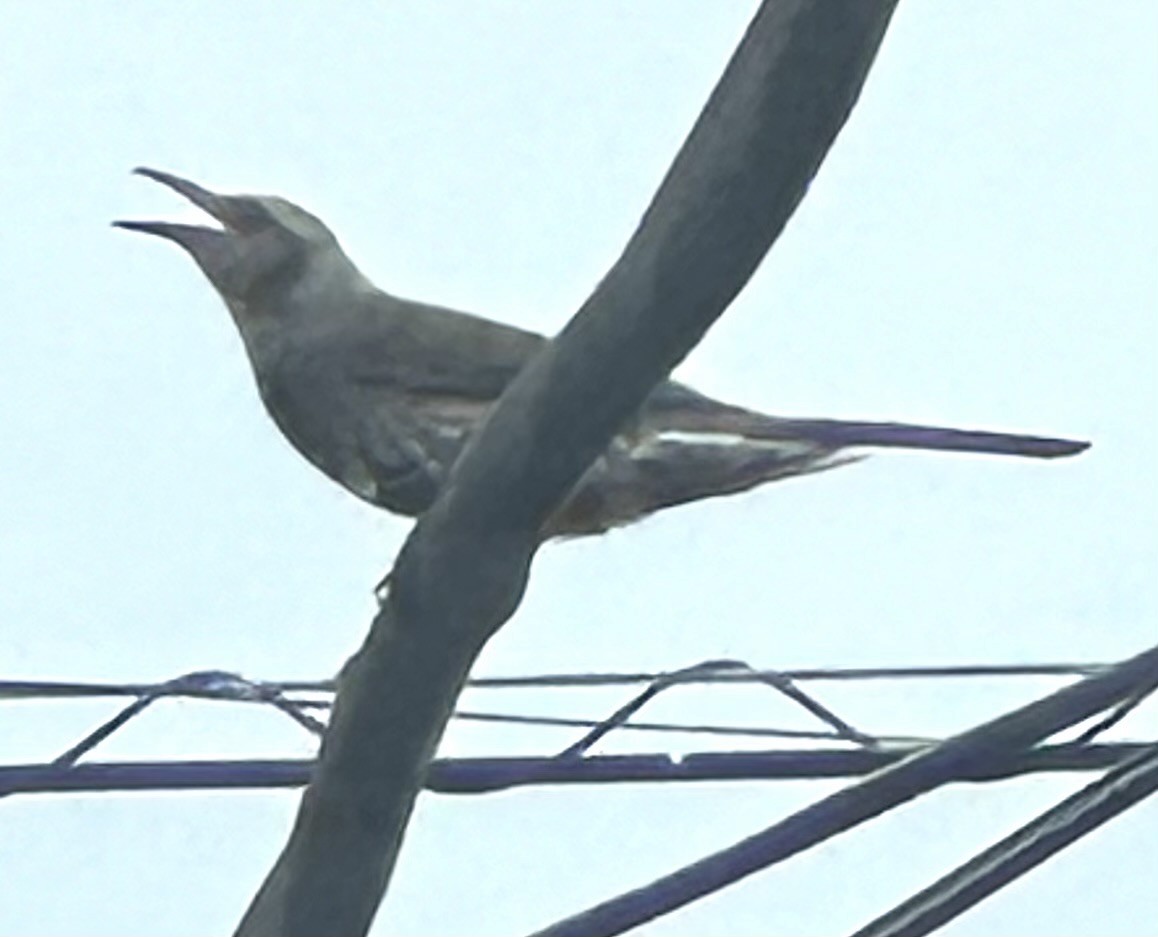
x,y
979,249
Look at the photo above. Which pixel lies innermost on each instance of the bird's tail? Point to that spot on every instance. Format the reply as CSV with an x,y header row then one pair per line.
x,y
669,465
840,434
627,485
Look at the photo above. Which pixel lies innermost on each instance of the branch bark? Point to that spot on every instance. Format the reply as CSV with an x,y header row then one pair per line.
x,y
743,169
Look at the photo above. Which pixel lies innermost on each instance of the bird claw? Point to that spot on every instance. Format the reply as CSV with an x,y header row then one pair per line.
x,y
382,590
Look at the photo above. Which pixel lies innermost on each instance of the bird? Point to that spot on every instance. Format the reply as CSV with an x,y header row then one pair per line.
x,y
382,393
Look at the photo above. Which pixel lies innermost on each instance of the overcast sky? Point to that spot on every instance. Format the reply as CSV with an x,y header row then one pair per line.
x,y
978,249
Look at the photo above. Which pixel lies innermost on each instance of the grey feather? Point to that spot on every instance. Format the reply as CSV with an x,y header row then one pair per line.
x,y
382,393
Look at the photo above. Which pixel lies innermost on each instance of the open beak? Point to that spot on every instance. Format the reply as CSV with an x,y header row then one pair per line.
x,y
192,237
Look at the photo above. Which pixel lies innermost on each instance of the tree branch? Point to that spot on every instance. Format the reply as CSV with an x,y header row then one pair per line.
x,y
747,163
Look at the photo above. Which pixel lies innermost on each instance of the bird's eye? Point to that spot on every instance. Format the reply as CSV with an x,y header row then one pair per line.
x,y
248,216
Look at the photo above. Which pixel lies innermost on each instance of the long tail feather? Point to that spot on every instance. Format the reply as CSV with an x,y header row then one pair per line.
x,y
840,433
694,413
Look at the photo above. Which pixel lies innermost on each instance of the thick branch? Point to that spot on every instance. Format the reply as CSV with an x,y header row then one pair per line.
x,y
732,188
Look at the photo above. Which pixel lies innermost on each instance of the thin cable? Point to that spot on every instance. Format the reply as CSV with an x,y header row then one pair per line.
x,y
695,674
991,743
37,689
486,775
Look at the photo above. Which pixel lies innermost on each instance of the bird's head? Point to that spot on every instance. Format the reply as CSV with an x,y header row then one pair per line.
x,y
265,250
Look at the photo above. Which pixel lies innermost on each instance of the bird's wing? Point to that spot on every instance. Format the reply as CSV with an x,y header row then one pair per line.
x,y
372,441
435,351
429,351
453,365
